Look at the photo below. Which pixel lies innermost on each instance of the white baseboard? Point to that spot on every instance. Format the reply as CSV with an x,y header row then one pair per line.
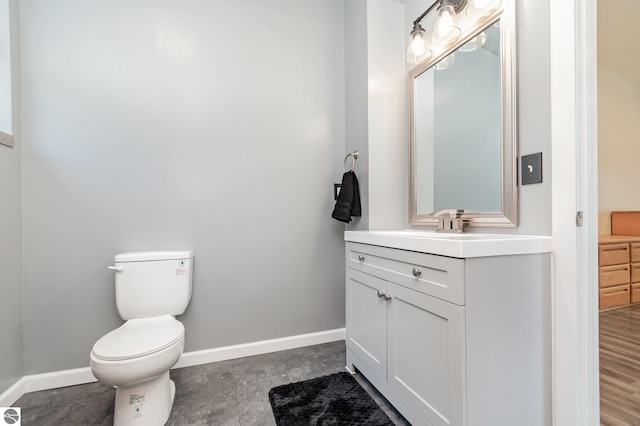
x,y
78,376
258,348
38,382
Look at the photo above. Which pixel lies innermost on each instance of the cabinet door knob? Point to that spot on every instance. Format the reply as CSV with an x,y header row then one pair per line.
x,y
386,297
361,258
416,272
380,294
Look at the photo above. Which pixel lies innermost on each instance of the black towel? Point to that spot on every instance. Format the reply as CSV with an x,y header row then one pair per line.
x,y
348,202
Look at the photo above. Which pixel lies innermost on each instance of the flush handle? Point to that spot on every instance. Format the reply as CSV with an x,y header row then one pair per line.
x,y
416,272
116,268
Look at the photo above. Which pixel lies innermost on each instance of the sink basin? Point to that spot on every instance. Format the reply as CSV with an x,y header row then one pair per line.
x,y
454,245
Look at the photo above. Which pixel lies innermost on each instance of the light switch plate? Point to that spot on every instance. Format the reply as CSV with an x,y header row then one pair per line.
x,y
531,168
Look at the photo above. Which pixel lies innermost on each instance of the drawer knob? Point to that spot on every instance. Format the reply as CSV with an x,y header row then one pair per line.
x,y
361,258
416,272
384,296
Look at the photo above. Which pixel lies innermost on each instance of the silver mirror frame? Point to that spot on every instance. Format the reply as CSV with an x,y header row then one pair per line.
x,y
508,217
6,139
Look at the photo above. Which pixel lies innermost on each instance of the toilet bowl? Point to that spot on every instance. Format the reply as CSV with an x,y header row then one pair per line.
x,y
136,358
151,289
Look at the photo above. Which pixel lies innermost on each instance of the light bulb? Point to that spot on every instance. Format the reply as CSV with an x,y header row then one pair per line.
x,y
417,44
414,57
478,8
417,51
445,29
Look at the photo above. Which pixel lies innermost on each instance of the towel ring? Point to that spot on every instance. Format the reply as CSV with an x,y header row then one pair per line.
x,y
354,157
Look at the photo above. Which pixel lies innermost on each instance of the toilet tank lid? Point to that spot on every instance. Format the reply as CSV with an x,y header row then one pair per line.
x,y
141,256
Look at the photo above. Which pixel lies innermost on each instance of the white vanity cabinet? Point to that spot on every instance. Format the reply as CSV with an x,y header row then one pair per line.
x,y
388,305
451,341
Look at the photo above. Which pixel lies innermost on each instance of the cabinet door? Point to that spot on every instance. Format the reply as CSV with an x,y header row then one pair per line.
x,y
426,354
366,320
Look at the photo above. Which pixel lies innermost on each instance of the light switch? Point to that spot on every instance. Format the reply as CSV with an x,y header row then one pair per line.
x,y
531,168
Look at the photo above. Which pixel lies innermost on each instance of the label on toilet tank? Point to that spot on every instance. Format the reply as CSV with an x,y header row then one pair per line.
x,y
182,268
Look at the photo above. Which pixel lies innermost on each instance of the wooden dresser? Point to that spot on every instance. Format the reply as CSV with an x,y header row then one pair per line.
x,y
619,270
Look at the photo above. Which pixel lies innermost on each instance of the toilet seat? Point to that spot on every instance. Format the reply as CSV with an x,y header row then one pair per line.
x,y
139,337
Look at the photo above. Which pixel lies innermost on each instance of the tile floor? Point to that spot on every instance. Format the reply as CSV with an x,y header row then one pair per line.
x,y
233,392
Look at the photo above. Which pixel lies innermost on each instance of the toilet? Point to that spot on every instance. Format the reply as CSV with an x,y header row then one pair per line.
x,y
152,287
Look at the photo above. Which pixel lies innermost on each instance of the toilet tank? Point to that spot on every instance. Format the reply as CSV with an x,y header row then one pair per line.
x,y
153,283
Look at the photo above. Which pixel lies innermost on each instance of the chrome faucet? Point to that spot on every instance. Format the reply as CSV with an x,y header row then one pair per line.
x,y
450,220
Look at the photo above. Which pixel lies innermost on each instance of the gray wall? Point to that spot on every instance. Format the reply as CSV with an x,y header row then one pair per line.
x,y
375,100
11,232
213,126
534,111
357,99
210,126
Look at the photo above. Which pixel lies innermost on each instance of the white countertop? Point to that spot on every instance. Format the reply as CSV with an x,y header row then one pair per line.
x,y
454,245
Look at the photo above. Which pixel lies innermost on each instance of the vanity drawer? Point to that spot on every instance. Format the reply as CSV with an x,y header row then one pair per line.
x,y
614,275
438,276
613,254
635,293
615,296
635,252
635,272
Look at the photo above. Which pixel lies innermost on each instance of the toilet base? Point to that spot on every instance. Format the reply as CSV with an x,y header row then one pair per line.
x,y
145,403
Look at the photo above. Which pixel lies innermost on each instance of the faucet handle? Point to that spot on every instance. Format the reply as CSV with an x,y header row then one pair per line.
x,y
450,220
452,213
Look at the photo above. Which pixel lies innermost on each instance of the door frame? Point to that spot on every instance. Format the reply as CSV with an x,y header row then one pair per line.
x,y
575,370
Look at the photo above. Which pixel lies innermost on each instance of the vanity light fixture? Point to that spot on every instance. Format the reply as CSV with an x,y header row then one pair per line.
x,y
417,51
479,8
447,27
444,30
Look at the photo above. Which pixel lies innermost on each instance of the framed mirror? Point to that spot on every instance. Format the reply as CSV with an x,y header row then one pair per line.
x,y
463,133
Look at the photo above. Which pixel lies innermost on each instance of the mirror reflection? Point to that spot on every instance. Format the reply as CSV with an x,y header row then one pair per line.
x,y
459,142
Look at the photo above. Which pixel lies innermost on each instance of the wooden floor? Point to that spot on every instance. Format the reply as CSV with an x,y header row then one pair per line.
x,y
620,367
